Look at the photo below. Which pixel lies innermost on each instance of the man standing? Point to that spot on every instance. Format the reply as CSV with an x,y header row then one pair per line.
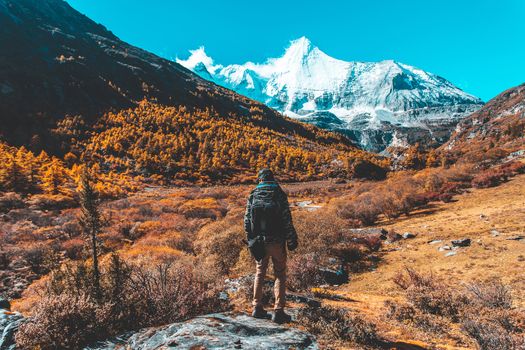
x,y
269,229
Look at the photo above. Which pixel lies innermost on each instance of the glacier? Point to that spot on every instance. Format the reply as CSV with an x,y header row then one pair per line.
x,y
377,104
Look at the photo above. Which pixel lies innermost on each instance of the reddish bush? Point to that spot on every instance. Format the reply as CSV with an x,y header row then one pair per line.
x,y
454,187
513,168
334,324
445,197
133,296
488,179
61,322
73,248
304,272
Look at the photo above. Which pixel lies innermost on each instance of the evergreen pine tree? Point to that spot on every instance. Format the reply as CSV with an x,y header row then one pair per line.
x,y
12,177
90,221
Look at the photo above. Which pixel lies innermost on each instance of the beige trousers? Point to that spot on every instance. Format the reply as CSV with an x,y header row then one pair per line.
x,y
277,252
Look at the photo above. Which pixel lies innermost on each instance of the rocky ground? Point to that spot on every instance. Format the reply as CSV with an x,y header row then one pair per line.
x,y
217,331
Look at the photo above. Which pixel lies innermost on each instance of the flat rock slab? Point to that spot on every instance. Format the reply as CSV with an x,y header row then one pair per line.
x,y
217,331
9,322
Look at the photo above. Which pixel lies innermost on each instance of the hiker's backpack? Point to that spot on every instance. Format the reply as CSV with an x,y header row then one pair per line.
x,y
266,212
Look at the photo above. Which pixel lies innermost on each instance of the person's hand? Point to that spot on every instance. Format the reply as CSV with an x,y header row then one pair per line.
x,y
292,245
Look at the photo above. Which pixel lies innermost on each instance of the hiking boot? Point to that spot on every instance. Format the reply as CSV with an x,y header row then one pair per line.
x,y
259,312
281,317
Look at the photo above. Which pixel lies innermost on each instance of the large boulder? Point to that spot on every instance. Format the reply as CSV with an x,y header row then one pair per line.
x,y
217,331
9,322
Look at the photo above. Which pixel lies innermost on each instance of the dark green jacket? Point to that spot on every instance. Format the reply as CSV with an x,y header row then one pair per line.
x,y
287,232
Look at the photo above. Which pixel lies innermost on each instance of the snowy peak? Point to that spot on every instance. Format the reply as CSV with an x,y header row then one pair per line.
x,y
299,52
356,97
199,59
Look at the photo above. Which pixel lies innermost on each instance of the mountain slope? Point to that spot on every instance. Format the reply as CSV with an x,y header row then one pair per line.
x,y
377,103
498,128
70,87
56,62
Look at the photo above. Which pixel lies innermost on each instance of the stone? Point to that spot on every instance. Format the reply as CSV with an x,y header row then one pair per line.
x,y
435,241
494,233
464,242
515,238
9,323
451,253
5,304
216,331
444,248
369,231
394,237
408,235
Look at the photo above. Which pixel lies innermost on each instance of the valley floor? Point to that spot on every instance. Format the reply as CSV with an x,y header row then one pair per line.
x,y
156,225
492,218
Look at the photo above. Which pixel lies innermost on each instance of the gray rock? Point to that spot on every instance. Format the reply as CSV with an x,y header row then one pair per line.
x,y
515,238
464,242
9,323
408,235
369,231
435,241
451,254
494,233
217,331
444,248
5,304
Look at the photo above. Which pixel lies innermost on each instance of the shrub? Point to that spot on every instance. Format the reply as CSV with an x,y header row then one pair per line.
x,y
488,179
41,258
246,290
338,324
52,201
408,314
489,336
304,272
363,169
73,248
133,296
221,241
10,200
61,322
445,197
431,294
491,294
366,208
513,168
483,310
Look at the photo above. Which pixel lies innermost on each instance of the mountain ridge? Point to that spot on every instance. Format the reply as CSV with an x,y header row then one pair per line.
x,y
56,62
360,98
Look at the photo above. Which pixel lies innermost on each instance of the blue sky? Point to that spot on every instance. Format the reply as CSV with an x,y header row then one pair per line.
x,y
477,45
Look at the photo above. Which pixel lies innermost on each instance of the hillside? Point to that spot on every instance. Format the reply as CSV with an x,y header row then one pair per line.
x,y
377,104
495,131
56,62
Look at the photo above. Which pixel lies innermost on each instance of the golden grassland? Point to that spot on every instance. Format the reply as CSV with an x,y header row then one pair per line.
x,y
476,215
203,226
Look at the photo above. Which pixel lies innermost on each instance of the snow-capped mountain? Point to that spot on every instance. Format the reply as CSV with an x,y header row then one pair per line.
x,y
378,104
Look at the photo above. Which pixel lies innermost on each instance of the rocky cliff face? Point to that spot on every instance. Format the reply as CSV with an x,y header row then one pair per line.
x,y
498,127
378,104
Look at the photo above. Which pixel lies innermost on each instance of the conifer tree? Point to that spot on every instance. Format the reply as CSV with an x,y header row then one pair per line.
x,y
90,221
12,177
54,177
